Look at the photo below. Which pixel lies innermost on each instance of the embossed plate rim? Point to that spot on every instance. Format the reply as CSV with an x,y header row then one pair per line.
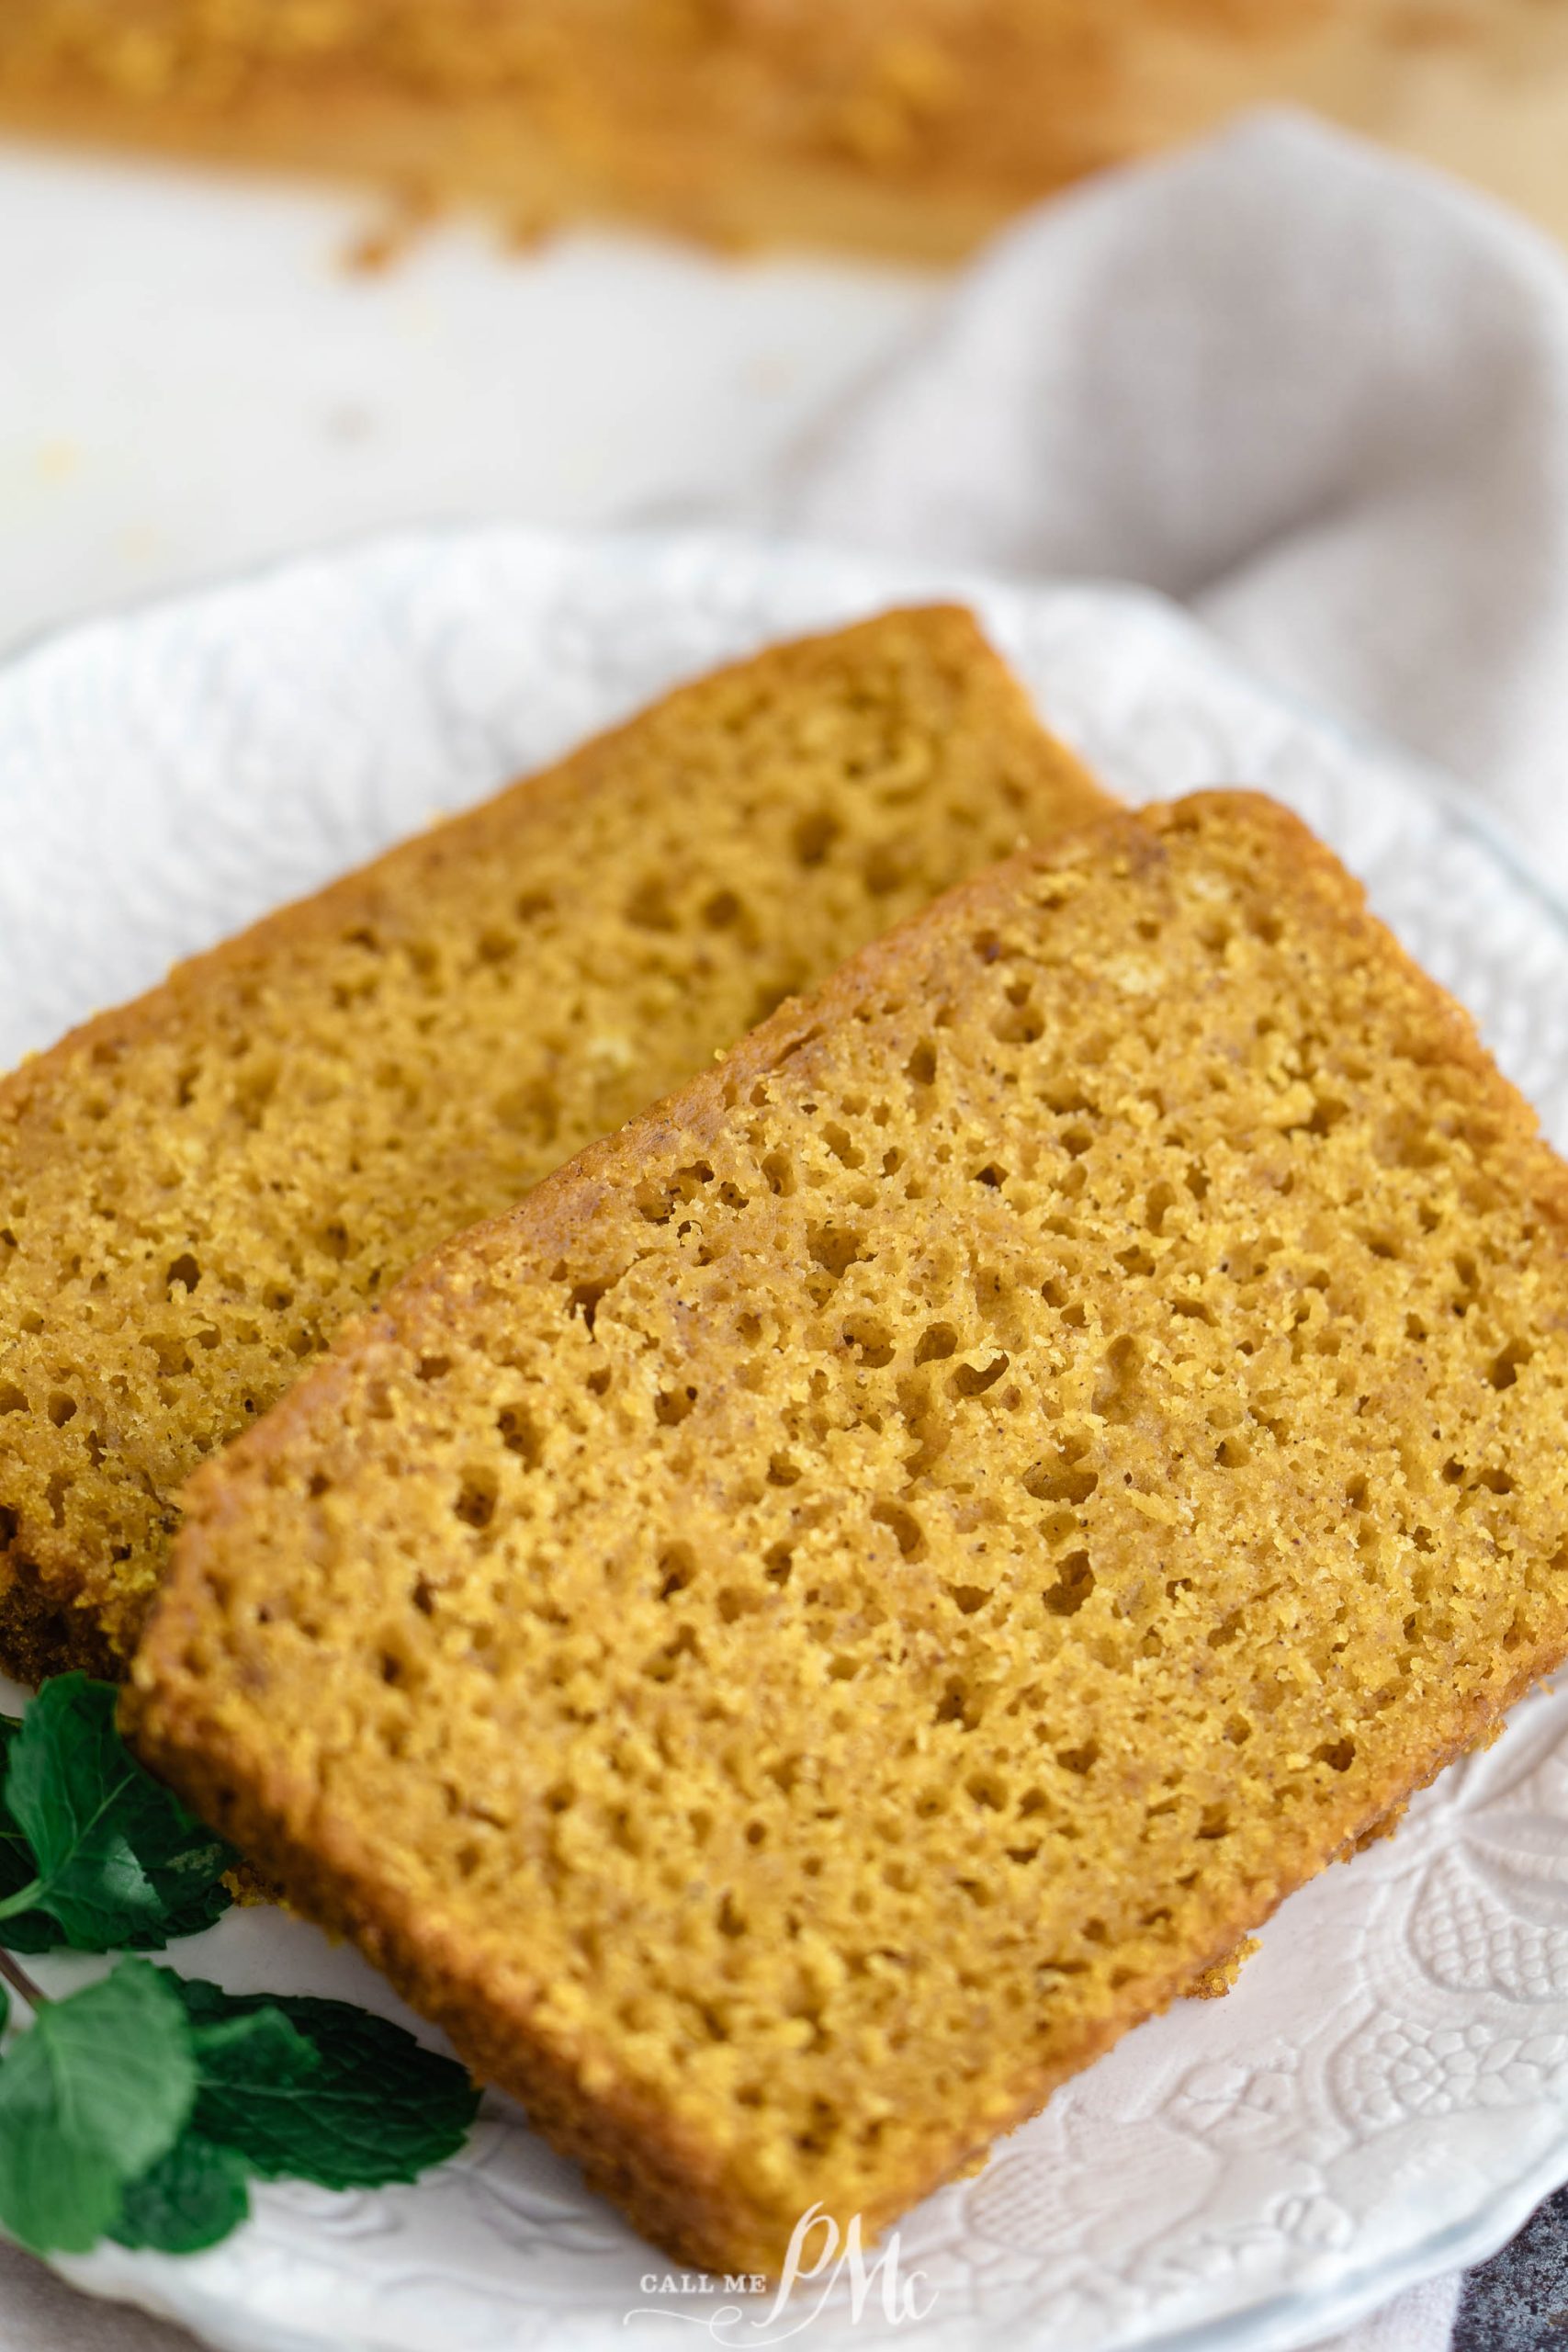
x,y
808,583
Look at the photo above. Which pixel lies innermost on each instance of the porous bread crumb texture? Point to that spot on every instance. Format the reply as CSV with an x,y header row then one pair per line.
x,y
869,1582
196,1190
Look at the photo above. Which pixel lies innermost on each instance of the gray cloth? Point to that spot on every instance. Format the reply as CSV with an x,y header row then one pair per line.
x,y
1318,395
38,2314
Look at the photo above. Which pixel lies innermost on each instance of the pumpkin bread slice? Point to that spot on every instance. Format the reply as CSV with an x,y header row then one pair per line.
x,y
197,1189
868,1581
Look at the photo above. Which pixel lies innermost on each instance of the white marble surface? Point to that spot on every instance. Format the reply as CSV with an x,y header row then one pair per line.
x,y
193,380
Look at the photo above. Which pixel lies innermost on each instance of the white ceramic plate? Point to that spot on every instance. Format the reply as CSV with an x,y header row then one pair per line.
x,y
1386,2093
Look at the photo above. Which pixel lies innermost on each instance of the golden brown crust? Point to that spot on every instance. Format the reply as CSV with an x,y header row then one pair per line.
x,y
1212,1983
196,1187
665,2183
1301,1560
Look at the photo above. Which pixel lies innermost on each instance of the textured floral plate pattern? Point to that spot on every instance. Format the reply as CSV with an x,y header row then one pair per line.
x,y
1386,2092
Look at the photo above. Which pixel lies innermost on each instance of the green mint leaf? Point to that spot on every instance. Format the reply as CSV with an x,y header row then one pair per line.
x,y
118,1860
69,1788
193,1895
375,2107
194,2196
27,1930
121,2062
253,2054
90,2098
55,2197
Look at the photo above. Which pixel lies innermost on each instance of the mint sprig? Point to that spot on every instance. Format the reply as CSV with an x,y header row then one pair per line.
x,y
372,2106
94,1852
96,2093
194,2196
142,2107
